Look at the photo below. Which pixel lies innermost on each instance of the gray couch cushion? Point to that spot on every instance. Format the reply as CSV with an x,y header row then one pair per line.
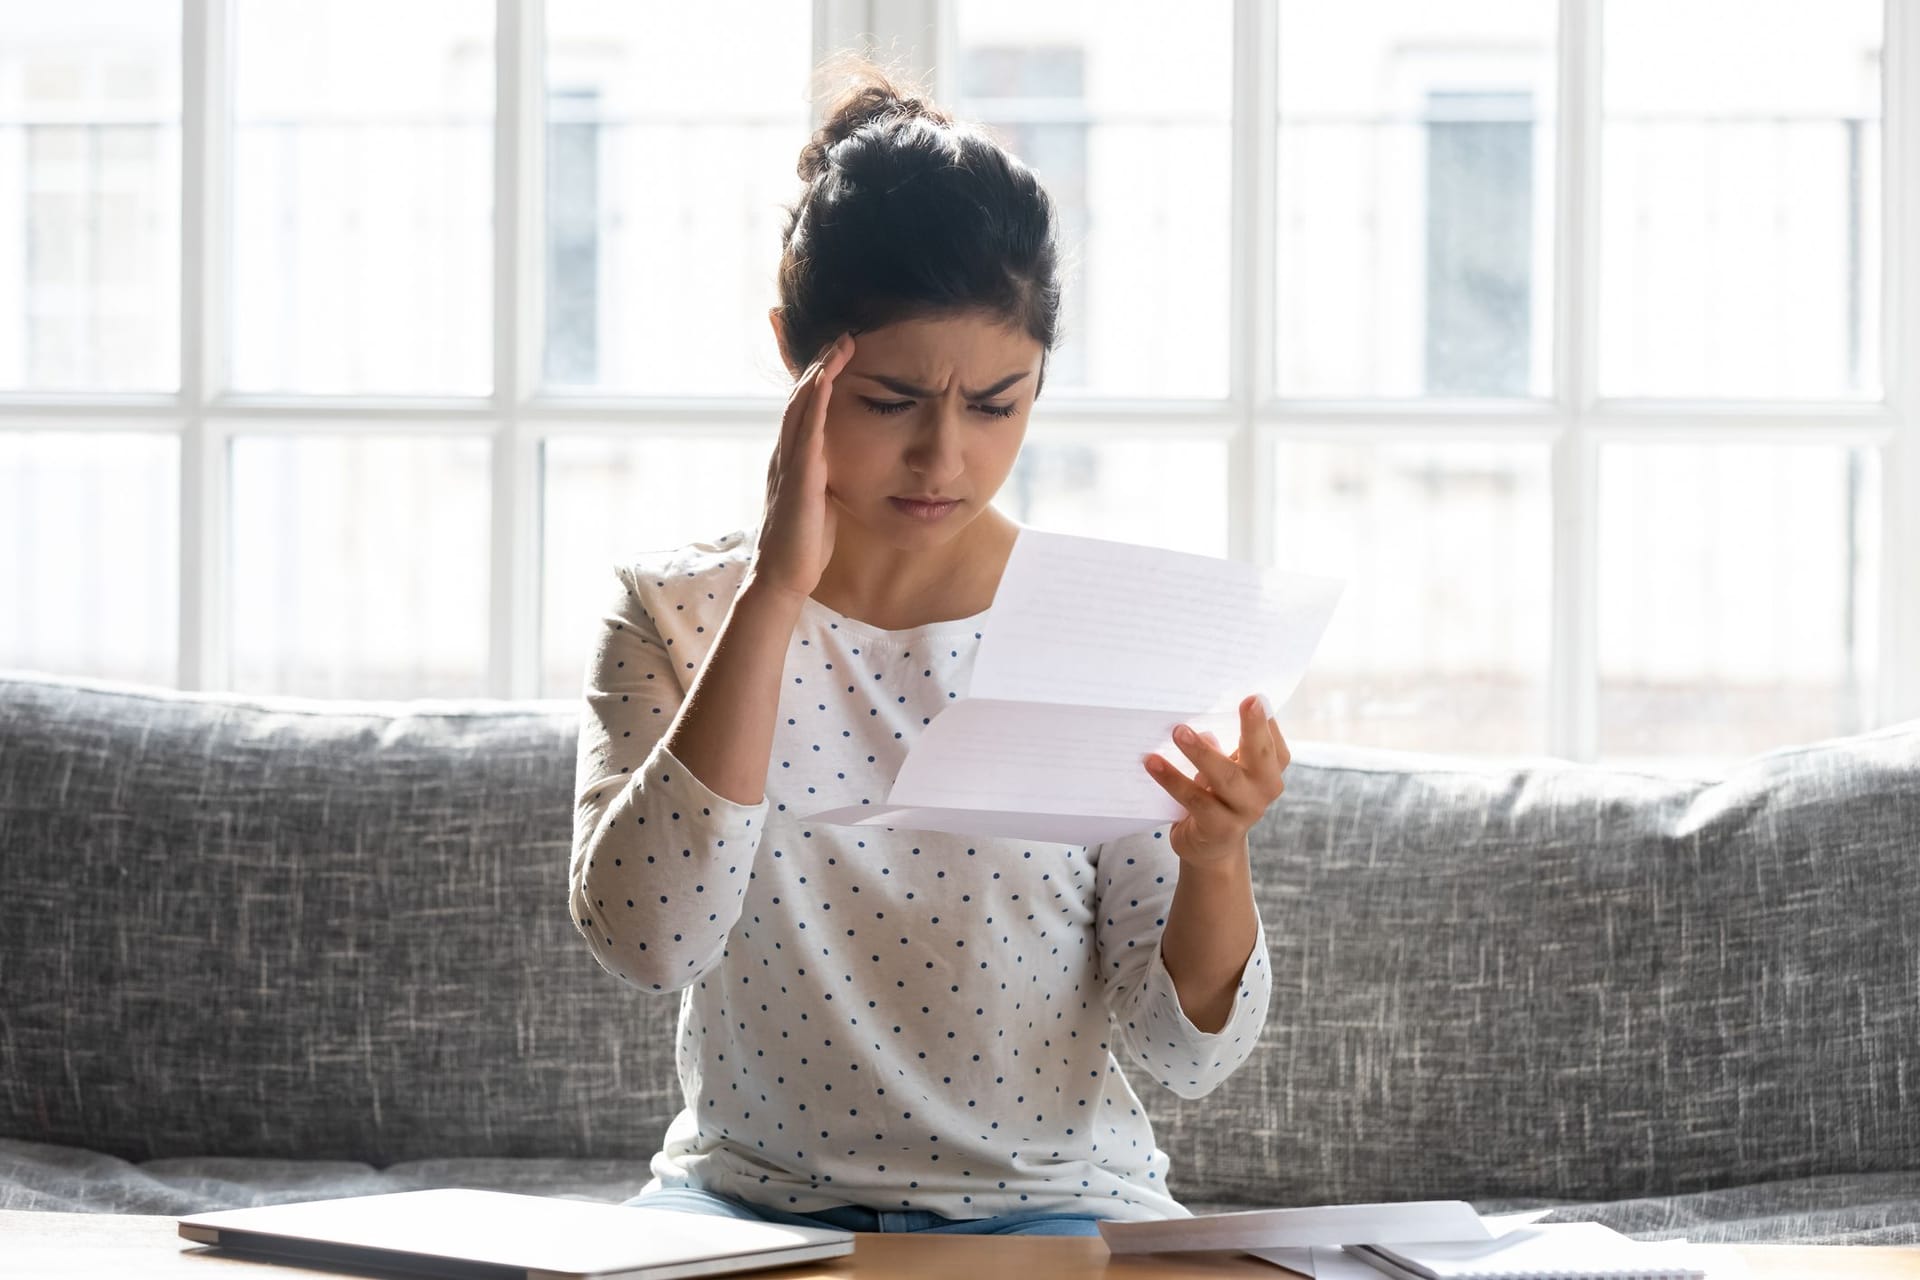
x,y
37,1175
1853,1209
319,930
305,929
1530,978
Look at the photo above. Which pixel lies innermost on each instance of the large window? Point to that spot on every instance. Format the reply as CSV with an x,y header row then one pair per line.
x,y
1570,334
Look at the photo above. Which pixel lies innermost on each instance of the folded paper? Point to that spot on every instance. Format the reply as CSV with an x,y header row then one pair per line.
x,y
1093,651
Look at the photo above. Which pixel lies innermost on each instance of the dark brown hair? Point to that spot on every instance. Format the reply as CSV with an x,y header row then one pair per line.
x,y
909,214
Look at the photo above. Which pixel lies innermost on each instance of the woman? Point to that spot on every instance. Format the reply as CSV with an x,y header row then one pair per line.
x,y
887,1029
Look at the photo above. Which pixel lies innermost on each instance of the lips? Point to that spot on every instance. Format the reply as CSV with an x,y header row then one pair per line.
x,y
922,509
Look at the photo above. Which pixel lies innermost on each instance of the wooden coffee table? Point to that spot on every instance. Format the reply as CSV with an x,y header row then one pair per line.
x,y
115,1246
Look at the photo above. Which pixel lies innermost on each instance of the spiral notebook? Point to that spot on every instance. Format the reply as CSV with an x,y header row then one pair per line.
x,y
1556,1251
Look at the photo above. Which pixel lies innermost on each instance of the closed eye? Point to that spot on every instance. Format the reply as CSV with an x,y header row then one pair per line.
x,y
900,406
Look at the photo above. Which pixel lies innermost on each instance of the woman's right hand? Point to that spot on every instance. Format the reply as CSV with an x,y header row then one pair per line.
x,y
796,533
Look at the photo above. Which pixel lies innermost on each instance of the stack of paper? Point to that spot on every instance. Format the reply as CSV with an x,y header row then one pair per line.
x,y
1573,1250
1328,1224
1428,1239
1094,651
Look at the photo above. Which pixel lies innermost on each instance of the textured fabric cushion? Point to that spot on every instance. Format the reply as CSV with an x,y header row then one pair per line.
x,y
1535,979
42,1176
286,928
306,929
1855,1209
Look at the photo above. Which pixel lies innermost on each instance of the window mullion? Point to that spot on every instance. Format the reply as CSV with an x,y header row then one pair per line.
x,y
903,35
203,657
1250,284
518,329
837,25
1899,663
1573,668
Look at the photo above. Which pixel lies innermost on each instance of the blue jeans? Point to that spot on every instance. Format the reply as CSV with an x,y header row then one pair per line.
x,y
853,1217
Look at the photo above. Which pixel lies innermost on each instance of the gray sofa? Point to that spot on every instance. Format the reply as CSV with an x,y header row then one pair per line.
x,y
261,949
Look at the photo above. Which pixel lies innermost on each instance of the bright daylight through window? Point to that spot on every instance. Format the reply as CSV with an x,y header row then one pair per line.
x,y
1570,335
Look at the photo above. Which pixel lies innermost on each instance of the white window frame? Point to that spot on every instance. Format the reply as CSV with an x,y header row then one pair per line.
x,y
518,417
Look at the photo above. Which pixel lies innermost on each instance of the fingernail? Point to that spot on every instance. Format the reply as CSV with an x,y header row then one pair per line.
x,y
1266,708
1183,734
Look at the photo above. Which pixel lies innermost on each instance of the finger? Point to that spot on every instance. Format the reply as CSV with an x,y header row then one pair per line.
x,y
834,356
797,401
1212,739
1228,780
800,399
847,343
831,363
1191,795
796,447
1257,753
797,395
1280,749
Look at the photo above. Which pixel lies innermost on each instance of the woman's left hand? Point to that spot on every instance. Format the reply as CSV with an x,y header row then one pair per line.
x,y
1230,792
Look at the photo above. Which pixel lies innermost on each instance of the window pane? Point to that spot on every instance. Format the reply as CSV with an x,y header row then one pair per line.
x,y
363,196
664,197
90,554
360,566
1161,491
1738,601
1440,641
1118,109
608,500
1415,198
1740,190
90,196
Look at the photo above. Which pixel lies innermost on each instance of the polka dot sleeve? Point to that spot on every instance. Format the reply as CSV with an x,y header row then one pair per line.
x,y
1136,878
660,862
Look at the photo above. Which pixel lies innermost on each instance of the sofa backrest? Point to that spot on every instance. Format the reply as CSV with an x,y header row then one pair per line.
x,y
1530,978
285,927
303,928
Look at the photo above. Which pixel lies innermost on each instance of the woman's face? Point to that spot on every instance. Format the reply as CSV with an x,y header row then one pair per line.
x,y
928,408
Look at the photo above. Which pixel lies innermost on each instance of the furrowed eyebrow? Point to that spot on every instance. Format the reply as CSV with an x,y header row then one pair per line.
x,y
908,389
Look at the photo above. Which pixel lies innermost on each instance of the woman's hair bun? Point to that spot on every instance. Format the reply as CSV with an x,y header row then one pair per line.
x,y
905,213
868,94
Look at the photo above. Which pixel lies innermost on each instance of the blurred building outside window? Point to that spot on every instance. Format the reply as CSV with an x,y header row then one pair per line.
x,y
1735,588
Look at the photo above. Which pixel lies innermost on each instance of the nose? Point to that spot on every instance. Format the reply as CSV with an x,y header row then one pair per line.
x,y
937,454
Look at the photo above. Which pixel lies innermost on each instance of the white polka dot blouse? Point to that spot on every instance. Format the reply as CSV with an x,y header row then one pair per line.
x,y
872,1016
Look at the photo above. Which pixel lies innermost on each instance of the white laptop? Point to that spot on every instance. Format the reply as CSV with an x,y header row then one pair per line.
x,y
467,1234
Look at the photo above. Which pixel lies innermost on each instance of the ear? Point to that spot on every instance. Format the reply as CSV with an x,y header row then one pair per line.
x,y
780,341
